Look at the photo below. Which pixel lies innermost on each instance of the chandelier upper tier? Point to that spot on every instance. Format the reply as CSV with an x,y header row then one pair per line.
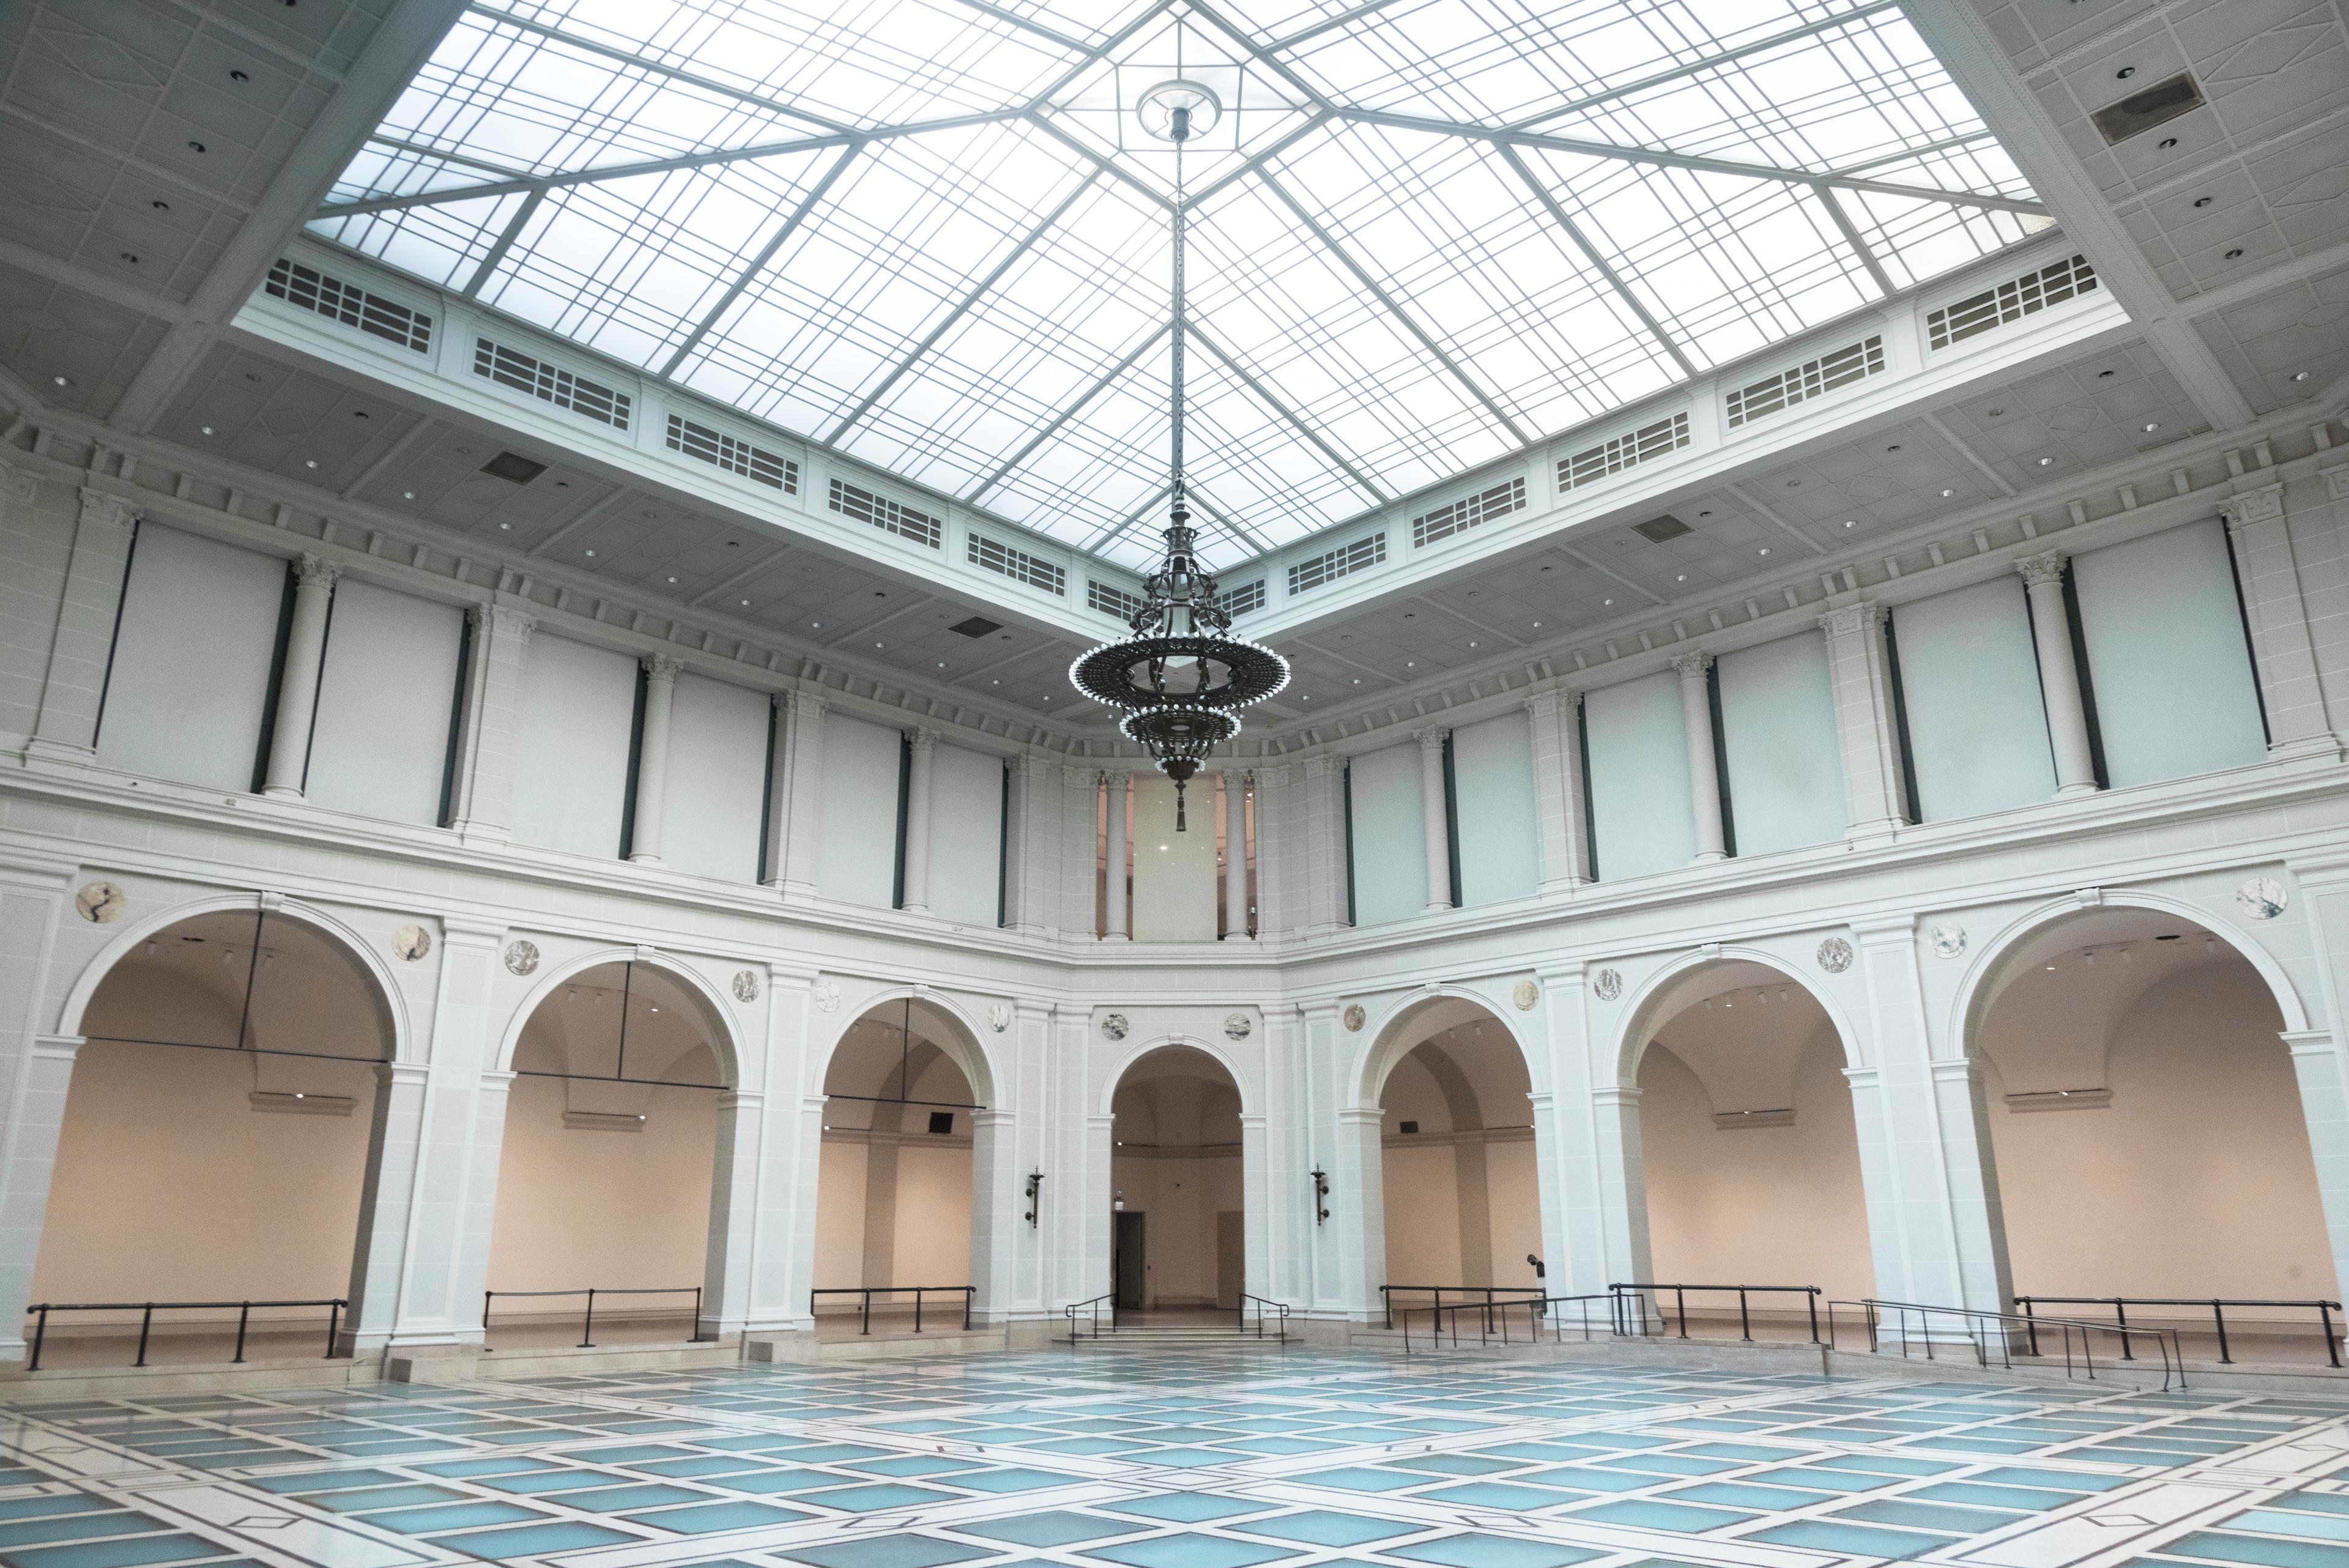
x,y
1181,678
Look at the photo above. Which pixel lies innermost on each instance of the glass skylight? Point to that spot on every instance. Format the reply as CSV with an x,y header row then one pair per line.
x,y
1426,233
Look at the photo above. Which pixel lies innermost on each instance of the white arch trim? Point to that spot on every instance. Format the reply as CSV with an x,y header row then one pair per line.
x,y
1639,1028
979,1069
728,1042
1975,986
1222,1058
1382,1049
133,936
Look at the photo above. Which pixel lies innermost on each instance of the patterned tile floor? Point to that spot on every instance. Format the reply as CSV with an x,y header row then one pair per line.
x,y
1172,1459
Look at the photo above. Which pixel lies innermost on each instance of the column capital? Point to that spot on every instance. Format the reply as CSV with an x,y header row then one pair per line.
x,y
1431,738
1954,1069
101,509
503,621
805,704
1565,699
1118,777
1080,778
922,738
1032,765
663,669
1618,1095
2043,569
2262,503
1864,615
1322,766
1693,666
313,573
18,484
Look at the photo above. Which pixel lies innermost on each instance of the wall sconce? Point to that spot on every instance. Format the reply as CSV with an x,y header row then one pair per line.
x,y
1321,1195
1035,1196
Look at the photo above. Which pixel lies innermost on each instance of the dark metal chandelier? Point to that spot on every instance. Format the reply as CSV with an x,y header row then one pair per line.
x,y
1181,678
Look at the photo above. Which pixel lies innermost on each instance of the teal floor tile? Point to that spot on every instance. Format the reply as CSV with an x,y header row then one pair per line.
x,y
1866,1541
1191,1551
907,1551
530,1540
136,1552
451,1516
707,1518
1319,1527
2223,1546
1050,1529
1478,1551
1189,1507
1649,1514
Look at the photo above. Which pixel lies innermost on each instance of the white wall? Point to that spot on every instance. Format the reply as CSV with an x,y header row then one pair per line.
x,y
2166,656
1970,683
1641,800
857,862
1779,740
197,636
571,775
1174,873
1390,834
379,745
717,783
1493,790
965,834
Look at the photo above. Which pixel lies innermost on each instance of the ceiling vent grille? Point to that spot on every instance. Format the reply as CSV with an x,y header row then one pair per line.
x,y
1018,564
756,462
1800,384
550,384
1319,571
1645,444
2141,111
306,288
1466,512
1110,599
854,500
1238,601
2009,301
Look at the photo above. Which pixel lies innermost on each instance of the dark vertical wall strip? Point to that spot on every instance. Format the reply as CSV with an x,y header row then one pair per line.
x,y
276,678
310,740
1720,758
905,799
1346,787
465,653
1452,822
1901,723
2088,681
767,796
2243,614
114,640
1003,846
635,755
1589,812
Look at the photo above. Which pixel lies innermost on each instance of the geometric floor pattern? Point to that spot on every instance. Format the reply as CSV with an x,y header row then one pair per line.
x,y
1207,1460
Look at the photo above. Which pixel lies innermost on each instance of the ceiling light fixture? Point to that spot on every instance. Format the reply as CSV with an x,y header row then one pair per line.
x,y
1181,678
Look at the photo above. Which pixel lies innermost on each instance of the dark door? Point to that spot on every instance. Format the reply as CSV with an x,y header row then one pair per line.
x,y
1127,1264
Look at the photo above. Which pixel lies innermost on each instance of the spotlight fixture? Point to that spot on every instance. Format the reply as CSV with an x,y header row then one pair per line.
x,y
1035,1196
1321,1195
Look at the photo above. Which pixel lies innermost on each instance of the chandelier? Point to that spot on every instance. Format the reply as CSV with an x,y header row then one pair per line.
x,y
1181,678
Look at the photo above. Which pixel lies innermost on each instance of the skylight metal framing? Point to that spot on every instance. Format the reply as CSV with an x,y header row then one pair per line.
x,y
767,126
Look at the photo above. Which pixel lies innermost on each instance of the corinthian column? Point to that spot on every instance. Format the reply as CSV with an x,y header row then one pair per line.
x,y
652,759
2059,673
297,683
1439,821
1705,766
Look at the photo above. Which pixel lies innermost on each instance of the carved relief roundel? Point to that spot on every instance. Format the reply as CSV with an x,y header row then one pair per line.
x,y
101,903
827,995
1526,995
746,985
521,957
1607,986
1835,955
411,942
1114,1026
998,1018
2261,898
1948,940
1237,1027
1354,1017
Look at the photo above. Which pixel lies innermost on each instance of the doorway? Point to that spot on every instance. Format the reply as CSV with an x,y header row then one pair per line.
x,y
1127,1262
1175,1155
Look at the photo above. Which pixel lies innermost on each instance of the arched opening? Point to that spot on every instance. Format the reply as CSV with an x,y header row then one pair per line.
x,y
1749,1149
2146,1129
895,1192
609,1162
1461,1201
215,1144
1178,1236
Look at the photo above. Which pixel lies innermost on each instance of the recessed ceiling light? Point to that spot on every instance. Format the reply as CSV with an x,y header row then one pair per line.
x,y
2299,375
1358,681
1947,493
160,206
672,579
131,258
238,76
207,429
2151,427
2235,254
817,624
1681,578
942,664
1763,551
2046,462
995,683
1301,697
313,462
2106,375
876,645
505,527
407,496
1472,645
60,381
1996,413
1538,624
1851,522
2124,73
746,604
1894,447
591,555
2168,142
1607,601
195,147
2201,200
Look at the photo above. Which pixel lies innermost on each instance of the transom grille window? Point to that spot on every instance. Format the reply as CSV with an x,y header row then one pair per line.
x,y
1642,445
549,383
1237,602
1018,564
1318,571
2009,301
1804,382
712,446
854,500
1110,599
308,289
1467,512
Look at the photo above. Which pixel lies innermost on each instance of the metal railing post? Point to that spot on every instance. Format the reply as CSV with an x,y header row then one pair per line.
x,y
2331,1345
917,1309
243,1316
41,1332
1744,1322
1679,1305
867,1313
587,1328
2120,1315
2218,1316
2032,1322
334,1325
1812,1301
146,1320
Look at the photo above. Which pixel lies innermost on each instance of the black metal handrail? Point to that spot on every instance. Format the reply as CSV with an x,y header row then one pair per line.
x,y
1538,1311
1488,1294
587,1325
1262,1302
1075,1307
2006,1327
40,1313
2218,1305
1637,1294
969,1292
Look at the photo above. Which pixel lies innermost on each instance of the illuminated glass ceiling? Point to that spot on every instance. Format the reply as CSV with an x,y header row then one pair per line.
x,y
1425,233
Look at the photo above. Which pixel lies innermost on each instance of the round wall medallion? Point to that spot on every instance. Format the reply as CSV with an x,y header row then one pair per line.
x,y
1607,986
1237,1027
412,941
2260,898
1113,1025
827,995
998,1018
746,985
521,957
101,903
1526,995
1948,940
1354,1017
1835,955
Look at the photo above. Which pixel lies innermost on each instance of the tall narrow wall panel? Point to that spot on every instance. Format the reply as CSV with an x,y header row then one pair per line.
x,y
1641,799
2166,656
858,861
191,657
1390,835
966,834
1174,873
1493,790
571,772
1969,684
1779,739
717,780
379,746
